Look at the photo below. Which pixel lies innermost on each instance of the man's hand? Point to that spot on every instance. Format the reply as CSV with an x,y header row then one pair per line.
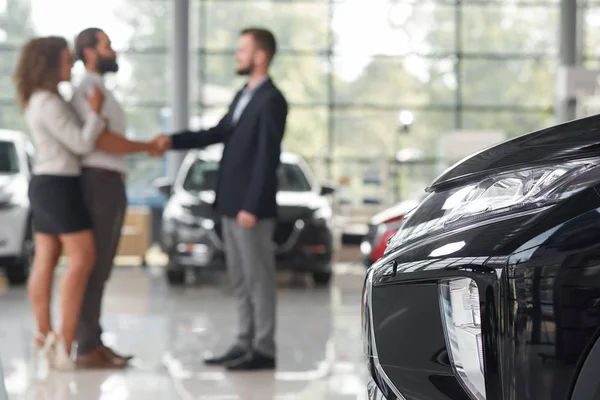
x,y
158,145
246,220
162,143
154,149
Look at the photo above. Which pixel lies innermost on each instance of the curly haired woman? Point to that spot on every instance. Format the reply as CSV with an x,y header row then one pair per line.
x,y
60,219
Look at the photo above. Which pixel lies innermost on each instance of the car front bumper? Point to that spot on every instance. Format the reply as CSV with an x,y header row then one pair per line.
x,y
308,247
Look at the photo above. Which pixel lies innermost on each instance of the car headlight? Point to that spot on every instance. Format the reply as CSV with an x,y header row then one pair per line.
x,y
502,195
183,214
365,248
460,307
322,214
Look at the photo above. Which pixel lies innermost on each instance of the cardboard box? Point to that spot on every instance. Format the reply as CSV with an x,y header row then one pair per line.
x,y
136,234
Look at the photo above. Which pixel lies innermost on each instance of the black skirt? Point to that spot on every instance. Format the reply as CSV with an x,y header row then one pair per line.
x,y
57,205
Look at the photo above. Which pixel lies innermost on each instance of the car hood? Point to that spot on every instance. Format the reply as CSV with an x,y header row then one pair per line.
x,y
301,199
571,140
284,199
292,205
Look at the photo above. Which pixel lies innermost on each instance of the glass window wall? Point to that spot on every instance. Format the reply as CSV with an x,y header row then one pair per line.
x,y
347,67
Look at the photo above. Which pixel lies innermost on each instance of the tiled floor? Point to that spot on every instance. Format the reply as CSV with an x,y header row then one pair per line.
x,y
169,329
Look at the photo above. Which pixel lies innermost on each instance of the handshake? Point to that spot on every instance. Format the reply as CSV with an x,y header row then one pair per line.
x,y
158,145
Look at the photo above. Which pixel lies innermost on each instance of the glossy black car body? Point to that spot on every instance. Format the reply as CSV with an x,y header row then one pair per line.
x,y
191,228
537,271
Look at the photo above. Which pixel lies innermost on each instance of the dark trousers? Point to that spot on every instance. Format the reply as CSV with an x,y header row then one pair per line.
x,y
250,256
106,200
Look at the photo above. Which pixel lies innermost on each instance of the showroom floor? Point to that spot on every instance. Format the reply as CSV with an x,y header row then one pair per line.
x,y
169,329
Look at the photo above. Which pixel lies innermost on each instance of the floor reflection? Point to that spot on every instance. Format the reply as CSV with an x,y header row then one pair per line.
x,y
170,329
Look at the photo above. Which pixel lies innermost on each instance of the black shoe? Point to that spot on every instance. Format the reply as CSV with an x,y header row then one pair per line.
x,y
232,354
250,362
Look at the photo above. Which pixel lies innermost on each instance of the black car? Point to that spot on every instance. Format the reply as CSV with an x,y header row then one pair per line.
x,y
191,228
491,288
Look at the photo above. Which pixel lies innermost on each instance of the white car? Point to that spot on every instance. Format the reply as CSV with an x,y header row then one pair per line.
x,y
16,239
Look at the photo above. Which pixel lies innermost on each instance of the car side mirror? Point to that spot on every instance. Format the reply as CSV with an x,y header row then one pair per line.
x,y
164,185
327,189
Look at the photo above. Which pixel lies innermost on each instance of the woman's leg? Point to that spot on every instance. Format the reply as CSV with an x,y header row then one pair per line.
x,y
80,250
39,286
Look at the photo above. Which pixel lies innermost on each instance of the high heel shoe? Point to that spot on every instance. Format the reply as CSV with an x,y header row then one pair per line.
x,y
62,359
43,347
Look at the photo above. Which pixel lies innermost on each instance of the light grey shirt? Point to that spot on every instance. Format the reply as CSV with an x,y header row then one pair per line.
x,y
113,114
245,98
59,136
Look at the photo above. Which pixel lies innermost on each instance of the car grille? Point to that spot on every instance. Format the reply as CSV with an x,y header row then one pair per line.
x,y
283,230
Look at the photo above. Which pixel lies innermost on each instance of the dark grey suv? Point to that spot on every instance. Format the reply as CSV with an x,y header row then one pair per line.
x,y
191,228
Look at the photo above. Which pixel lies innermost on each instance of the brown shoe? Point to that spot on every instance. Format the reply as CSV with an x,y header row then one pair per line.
x,y
98,359
110,353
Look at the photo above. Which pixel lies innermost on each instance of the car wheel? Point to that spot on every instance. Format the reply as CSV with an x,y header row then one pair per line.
x,y
18,270
322,278
176,275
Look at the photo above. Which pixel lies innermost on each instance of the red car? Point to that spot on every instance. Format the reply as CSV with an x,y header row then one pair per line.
x,y
382,226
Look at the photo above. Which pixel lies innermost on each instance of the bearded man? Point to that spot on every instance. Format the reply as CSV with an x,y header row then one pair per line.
x,y
103,186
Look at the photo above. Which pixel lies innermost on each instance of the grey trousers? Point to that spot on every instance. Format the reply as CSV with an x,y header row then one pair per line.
x,y
250,256
106,200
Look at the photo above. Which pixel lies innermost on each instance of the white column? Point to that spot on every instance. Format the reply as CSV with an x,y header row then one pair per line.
x,y
181,81
566,107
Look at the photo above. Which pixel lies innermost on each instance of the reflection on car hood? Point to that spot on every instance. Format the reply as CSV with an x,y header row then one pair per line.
x,y
574,139
284,199
300,199
400,209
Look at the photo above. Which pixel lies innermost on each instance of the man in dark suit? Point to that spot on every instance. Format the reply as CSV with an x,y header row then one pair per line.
x,y
252,131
